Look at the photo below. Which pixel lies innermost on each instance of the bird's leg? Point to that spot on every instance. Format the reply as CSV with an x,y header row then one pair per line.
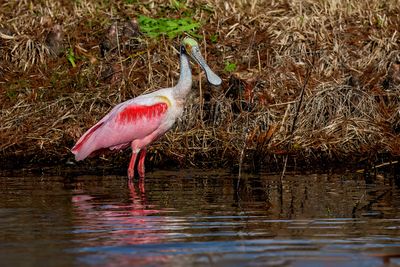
x,y
131,168
140,166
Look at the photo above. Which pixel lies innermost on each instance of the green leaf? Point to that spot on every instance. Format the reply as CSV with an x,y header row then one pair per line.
x,y
214,38
71,57
165,26
229,67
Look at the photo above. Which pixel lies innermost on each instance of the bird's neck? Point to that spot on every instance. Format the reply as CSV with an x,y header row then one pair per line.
x,y
182,88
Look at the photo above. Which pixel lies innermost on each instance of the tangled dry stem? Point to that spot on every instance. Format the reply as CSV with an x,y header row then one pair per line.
x,y
350,108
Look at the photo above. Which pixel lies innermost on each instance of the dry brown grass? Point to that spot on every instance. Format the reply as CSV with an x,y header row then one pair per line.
x,y
350,109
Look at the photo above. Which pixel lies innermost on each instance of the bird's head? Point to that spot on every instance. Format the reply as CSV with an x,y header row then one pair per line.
x,y
188,44
191,47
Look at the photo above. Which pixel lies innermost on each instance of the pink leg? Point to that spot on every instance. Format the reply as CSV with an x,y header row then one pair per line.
x,y
131,170
140,166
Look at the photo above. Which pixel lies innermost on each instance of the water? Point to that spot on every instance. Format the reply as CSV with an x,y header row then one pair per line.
x,y
199,218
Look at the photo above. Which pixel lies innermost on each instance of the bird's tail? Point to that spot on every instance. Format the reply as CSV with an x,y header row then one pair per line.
x,y
85,145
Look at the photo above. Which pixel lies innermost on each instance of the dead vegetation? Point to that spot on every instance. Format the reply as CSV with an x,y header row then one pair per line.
x,y
64,64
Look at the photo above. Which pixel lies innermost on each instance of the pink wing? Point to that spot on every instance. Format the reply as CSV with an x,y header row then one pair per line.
x,y
126,122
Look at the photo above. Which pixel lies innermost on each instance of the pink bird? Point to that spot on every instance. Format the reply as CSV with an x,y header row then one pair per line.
x,y
142,120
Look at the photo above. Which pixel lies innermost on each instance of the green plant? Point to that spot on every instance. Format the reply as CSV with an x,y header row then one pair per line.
x,y
71,57
380,21
214,38
178,5
11,94
16,87
230,67
169,27
301,20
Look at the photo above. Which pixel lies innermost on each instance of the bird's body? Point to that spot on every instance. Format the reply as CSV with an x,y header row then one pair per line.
x,y
135,119
139,121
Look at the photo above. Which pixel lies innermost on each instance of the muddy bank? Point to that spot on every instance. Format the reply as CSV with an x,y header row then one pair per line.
x,y
319,82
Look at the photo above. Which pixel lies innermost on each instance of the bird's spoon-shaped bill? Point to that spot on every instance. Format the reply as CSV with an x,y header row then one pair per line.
x,y
212,78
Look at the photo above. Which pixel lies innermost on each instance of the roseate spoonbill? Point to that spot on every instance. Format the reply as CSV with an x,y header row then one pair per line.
x,y
139,121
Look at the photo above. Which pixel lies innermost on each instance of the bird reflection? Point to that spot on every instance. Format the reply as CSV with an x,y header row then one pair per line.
x,y
117,223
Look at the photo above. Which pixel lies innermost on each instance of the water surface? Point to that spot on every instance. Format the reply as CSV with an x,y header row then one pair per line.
x,y
199,218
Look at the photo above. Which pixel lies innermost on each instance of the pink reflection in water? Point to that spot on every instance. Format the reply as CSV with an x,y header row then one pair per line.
x,y
118,224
